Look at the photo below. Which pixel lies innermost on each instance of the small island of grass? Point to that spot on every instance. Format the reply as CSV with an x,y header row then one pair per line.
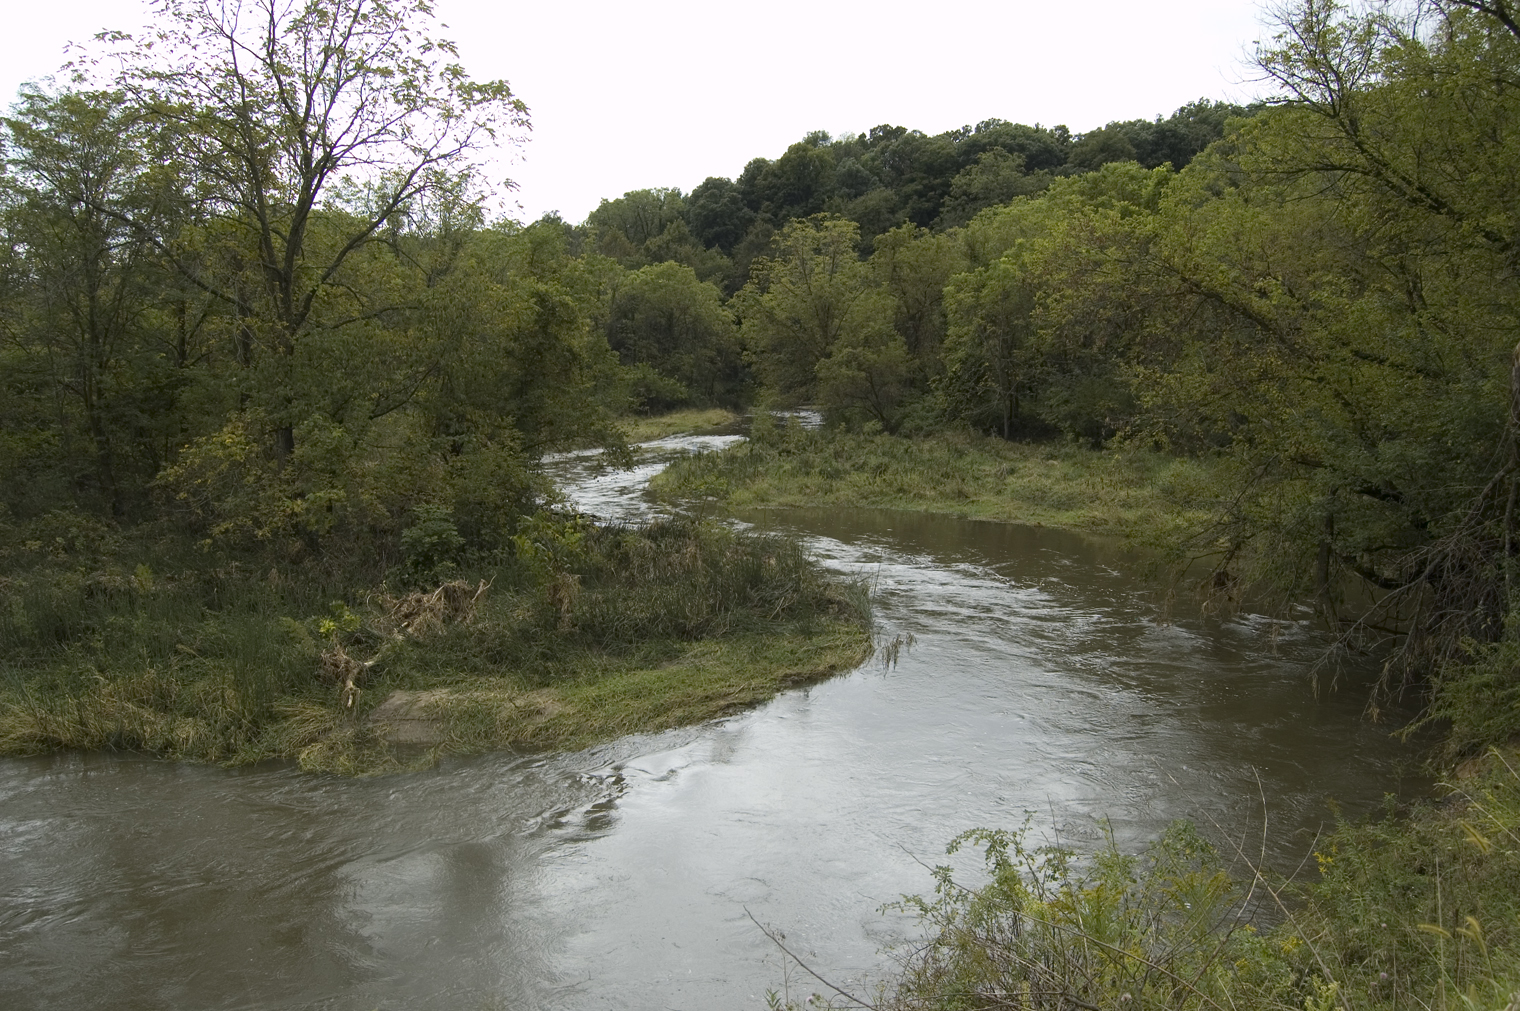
x,y
1141,496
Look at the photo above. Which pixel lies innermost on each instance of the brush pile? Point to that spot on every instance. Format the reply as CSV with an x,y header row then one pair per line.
x,y
422,614
343,671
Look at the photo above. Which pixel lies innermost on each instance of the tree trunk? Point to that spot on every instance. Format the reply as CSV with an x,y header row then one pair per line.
x,y
1322,571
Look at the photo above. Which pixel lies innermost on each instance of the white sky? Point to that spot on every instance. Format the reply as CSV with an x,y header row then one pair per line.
x,y
627,95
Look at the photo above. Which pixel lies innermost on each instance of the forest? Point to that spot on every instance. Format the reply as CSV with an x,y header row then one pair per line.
x,y
277,394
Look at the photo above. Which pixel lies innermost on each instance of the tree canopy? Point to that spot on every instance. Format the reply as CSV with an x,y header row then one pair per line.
x,y
250,273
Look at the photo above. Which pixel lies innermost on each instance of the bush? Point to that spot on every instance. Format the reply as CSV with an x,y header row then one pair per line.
x,y
1162,931
1408,913
430,546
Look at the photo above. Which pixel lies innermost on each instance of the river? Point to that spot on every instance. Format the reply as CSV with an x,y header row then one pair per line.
x,y
1043,682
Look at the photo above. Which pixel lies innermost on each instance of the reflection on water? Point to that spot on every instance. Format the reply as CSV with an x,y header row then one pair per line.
x,y
620,877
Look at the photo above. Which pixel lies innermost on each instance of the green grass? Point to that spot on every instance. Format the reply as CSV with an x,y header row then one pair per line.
x,y
1131,493
586,634
700,681
699,419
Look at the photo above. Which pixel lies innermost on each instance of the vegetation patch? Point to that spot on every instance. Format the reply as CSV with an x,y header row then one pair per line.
x,y
639,428
1045,929
1421,911
583,633
1146,496
1412,911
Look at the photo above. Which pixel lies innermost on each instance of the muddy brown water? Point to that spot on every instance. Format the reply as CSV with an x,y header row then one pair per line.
x,y
1040,685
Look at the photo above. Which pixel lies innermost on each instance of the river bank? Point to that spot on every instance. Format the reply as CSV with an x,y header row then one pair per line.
x,y
1416,908
587,633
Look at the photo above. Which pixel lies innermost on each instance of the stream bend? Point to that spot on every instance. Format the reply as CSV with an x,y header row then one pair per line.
x,y
1040,684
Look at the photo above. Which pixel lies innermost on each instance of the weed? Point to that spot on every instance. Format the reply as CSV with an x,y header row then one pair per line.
x,y
1163,930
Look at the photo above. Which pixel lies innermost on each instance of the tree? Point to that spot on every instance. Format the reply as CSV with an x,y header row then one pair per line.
x,y
818,325
801,300
280,111
914,265
717,215
651,226
996,177
1042,149
1040,331
80,314
1098,148
264,249
868,371
1410,123
635,218
991,354
664,319
797,184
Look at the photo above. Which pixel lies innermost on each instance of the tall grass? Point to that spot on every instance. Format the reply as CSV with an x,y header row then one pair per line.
x,y
1424,911
187,664
641,428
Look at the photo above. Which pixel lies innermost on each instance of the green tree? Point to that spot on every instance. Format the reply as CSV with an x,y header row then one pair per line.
x,y
991,355
1099,147
996,177
914,265
868,372
717,214
811,294
280,111
624,226
1332,293
796,185
667,320
81,312
1042,328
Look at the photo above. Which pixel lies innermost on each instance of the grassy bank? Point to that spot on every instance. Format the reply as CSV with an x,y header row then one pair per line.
x,y
1129,493
641,428
584,634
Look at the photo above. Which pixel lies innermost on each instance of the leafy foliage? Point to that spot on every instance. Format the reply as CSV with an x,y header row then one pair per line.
x,y
1161,931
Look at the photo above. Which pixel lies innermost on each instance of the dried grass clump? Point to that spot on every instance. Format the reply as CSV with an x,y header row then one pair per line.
x,y
423,614
562,589
343,671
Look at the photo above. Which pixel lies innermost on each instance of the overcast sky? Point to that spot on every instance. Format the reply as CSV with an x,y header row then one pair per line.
x,y
628,95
